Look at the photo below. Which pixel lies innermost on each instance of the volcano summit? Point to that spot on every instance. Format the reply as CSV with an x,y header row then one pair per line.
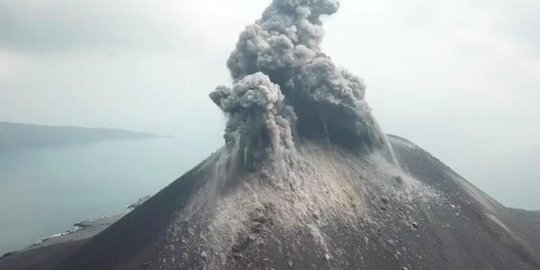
x,y
307,180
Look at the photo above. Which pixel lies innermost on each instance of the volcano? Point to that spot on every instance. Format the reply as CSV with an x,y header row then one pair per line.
x,y
342,210
306,180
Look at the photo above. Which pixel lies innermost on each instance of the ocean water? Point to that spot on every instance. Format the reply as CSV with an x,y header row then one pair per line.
x,y
45,191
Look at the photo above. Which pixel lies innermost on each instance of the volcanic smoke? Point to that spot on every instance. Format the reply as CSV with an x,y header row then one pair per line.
x,y
286,89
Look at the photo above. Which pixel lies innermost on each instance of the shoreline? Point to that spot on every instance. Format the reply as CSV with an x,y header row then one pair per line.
x,y
80,231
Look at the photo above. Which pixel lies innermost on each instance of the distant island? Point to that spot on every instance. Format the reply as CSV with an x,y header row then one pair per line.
x,y
18,136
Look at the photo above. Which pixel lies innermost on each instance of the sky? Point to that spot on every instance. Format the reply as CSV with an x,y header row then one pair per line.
x,y
460,78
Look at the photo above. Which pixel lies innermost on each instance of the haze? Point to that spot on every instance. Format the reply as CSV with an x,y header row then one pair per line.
x,y
460,79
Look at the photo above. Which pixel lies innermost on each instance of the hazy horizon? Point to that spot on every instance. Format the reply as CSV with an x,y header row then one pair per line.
x,y
460,79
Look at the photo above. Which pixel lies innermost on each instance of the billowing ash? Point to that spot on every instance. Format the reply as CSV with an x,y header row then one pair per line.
x,y
260,123
285,87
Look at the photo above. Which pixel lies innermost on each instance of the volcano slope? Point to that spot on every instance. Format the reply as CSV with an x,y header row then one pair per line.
x,y
344,211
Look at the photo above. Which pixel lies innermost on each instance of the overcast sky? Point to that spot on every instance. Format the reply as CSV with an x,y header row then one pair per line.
x,y
460,78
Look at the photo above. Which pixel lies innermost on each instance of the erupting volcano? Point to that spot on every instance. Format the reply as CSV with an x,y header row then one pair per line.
x,y
308,180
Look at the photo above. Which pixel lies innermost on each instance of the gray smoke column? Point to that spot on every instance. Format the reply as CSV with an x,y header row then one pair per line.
x,y
260,123
285,87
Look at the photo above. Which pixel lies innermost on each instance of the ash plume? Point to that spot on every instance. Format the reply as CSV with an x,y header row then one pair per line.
x,y
284,85
260,123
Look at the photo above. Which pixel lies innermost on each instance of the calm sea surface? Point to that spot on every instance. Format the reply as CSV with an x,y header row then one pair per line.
x,y
44,191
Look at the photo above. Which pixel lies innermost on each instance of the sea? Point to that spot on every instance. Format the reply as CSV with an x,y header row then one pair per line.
x,y
44,191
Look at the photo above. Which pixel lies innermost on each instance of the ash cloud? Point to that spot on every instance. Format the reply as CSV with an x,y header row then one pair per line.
x,y
260,123
284,85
